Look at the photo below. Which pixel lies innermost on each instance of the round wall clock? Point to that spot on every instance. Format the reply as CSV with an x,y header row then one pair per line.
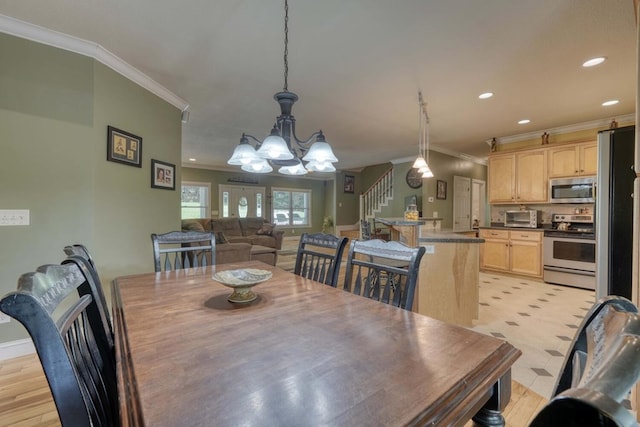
x,y
414,178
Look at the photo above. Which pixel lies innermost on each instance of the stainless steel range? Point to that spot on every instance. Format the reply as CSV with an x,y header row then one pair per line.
x,y
569,251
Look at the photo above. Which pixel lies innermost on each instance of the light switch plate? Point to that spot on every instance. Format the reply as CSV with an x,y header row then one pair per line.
x,y
9,217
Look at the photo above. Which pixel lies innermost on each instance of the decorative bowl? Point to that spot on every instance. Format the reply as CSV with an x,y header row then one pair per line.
x,y
241,281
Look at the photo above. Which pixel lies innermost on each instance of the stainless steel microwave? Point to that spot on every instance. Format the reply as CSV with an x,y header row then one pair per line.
x,y
572,190
523,218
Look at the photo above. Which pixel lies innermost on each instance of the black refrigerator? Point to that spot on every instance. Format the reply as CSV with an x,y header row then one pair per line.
x,y
614,212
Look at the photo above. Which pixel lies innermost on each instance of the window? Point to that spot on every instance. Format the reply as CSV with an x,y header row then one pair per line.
x,y
291,207
195,202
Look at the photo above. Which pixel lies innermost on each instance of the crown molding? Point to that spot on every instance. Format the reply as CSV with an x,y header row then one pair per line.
x,y
448,152
600,123
25,30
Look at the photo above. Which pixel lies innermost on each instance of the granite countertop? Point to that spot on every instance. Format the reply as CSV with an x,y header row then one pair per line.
x,y
447,236
399,221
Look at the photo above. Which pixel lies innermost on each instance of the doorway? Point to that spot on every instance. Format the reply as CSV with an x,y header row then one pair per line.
x,y
468,203
241,202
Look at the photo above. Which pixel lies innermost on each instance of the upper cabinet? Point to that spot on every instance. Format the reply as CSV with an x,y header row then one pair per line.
x,y
518,177
573,160
501,171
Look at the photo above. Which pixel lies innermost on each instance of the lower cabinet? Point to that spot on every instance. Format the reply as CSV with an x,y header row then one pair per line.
x,y
512,251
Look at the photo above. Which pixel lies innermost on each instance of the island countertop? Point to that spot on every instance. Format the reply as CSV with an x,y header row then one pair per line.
x,y
399,221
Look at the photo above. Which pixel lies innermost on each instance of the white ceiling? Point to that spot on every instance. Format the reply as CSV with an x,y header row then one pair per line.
x,y
357,66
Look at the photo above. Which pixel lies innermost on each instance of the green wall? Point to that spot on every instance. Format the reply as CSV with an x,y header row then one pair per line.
x,y
54,111
321,199
444,168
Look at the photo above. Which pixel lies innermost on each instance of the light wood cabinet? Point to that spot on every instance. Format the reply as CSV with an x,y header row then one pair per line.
x,y
494,253
526,252
512,251
573,160
502,178
518,177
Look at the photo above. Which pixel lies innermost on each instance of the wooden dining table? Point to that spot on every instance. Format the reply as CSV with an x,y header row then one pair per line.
x,y
301,354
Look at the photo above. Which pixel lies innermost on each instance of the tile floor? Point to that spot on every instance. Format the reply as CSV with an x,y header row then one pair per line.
x,y
538,318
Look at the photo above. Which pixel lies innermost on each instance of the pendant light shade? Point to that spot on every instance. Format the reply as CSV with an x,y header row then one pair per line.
x,y
274,147
419,163
243,154
296,169
258,166
422,161
315,166
320,151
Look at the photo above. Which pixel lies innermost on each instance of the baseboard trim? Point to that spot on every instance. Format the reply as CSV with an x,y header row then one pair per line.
x,y
11,349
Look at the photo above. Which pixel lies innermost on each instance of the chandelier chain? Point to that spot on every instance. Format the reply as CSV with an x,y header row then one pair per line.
x,y
286,45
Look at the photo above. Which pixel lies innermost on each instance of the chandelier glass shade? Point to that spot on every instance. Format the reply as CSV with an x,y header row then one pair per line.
x,y
282,147
422,161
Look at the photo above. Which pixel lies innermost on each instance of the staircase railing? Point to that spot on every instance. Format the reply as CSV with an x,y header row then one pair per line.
x,y
377,195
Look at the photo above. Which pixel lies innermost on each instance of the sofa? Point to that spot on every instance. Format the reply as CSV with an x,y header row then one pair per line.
x,y
240,239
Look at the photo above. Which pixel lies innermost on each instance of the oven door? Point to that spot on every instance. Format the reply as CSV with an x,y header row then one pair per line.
x,y
570,252
569,260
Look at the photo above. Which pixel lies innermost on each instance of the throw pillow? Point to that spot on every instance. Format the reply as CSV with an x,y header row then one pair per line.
x,y
193,226
266,229
221,238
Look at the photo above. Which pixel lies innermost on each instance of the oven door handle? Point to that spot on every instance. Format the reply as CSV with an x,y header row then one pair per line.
x,y
570,270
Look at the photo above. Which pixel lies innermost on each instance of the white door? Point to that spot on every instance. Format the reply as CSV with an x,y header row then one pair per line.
x,y
241,202
478,202
461,203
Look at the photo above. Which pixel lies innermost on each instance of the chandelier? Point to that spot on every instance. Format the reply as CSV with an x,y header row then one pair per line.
x,y
282,147
422,162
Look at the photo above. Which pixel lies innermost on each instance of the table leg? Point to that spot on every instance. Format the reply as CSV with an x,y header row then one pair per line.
x,y
490,415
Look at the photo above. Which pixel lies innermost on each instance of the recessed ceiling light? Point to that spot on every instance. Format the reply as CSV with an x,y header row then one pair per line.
x,y
485,95
524,121
594,61
611,102
192,159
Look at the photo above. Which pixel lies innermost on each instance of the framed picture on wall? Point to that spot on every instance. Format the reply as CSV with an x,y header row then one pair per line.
x,y
124,147
163,175
349,183
441,189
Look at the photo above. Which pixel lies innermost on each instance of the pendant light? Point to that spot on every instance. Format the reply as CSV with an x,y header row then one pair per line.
x,y
282,147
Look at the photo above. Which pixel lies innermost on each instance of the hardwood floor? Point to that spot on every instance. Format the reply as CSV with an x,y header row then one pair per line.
x,y
25,398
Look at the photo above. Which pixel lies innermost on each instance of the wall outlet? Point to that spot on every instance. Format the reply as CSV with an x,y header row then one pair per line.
x,y
14,217
4,318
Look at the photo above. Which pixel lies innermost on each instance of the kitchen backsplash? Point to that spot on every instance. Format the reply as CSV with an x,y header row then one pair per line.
x,y
497,211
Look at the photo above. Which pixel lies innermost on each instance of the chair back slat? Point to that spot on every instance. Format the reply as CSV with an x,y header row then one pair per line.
x,y
319,257
383,271
71,343
600,370
195,250
79,255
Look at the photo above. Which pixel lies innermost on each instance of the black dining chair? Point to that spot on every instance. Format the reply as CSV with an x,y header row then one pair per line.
x,y
319,257
79,255
383,271
69,338
600,370
183,249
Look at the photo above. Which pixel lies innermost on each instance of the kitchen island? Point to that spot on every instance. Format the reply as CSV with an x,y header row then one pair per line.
x,y
449,277
403,230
